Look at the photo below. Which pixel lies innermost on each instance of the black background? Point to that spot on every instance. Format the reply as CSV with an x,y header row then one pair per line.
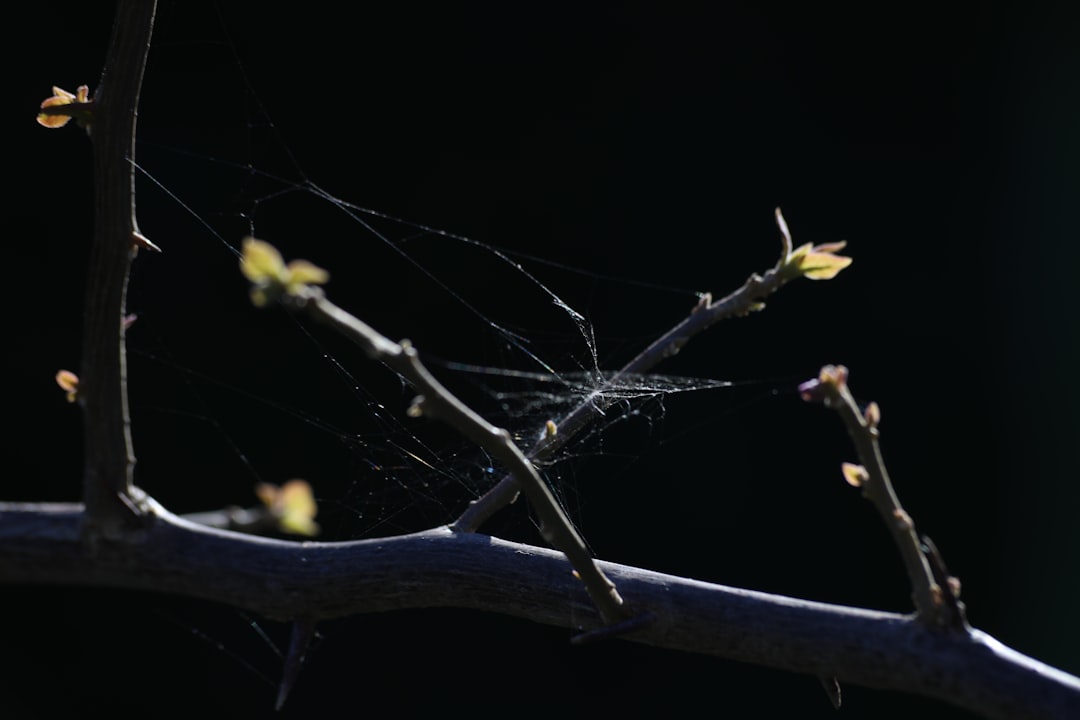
x,y
631,140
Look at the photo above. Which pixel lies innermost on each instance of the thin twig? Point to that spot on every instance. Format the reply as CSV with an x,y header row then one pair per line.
x,y
936,603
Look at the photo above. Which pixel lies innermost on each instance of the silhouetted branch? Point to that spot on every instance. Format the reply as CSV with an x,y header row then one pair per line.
x,y
112,503
441,568
936,599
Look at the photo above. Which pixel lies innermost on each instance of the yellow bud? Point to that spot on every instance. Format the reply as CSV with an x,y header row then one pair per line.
x,y
855,475
69,383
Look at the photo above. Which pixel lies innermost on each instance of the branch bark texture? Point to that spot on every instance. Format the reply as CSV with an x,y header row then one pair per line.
x,y
441,568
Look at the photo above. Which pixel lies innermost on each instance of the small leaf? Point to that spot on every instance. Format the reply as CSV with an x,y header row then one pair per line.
x,y
69,383
261,261
855,475
816,262
835,375
822,265
550,429
298,508
831,247
63,97
301,272
872,415
53,121
263,265
293,505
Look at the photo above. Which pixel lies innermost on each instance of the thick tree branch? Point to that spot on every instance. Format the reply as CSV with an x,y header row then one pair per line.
x,y
440,568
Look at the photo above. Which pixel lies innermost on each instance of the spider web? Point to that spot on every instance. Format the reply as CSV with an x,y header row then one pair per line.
x,y
270,397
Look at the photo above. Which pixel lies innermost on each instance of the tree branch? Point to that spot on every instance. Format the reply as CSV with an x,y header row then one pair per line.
x,y
112,502
441,568
936,600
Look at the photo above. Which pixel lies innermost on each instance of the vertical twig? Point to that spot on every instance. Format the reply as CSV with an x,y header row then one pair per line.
x,y
112,503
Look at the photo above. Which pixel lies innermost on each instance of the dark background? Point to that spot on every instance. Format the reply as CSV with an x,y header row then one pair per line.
x,y
635,141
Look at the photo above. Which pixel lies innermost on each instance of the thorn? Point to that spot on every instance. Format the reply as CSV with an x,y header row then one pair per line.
x,y
141,240
302,632
832,689
785,235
